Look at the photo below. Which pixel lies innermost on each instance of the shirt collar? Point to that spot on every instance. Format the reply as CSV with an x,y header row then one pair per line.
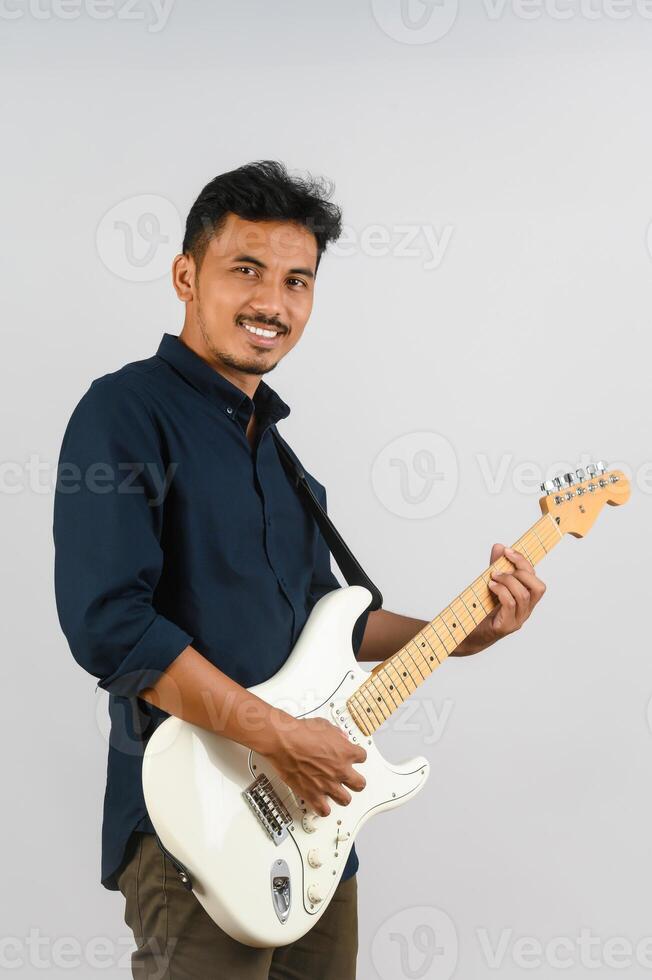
x,y
269,406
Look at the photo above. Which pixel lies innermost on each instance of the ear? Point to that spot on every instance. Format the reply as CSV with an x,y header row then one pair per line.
x,y
183,277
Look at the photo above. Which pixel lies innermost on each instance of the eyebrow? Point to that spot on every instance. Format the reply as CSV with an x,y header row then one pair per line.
x,y
261,265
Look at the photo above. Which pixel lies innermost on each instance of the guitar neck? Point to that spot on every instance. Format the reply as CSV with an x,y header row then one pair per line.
x,y
392,682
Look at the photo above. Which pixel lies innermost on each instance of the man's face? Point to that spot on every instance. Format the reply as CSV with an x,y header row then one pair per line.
x,y
255,275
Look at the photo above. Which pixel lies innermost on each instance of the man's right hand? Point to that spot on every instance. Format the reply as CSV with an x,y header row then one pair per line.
x,y
315,759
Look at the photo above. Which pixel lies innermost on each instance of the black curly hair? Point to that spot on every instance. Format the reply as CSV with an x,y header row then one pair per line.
x,y
262,191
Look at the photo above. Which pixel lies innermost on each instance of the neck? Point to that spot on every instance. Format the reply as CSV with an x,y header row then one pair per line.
x,y
392,682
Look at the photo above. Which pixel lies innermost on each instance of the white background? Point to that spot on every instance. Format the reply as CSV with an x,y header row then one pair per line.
x,y
519,138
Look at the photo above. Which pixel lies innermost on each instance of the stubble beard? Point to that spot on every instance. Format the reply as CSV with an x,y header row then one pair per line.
x,y
253,366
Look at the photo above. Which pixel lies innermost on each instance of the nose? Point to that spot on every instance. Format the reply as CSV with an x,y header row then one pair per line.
x,y
266,299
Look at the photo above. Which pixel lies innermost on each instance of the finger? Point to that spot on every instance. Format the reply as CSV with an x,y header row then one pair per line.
x,y
320,806
354,780
532,583
496,551
518,591
339,794
518,560
359,754
506,614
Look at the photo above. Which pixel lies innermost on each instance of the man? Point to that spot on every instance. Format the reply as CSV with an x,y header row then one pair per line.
x,y
186,564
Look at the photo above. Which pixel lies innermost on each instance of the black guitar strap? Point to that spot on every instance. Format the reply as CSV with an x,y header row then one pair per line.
x,y
349,565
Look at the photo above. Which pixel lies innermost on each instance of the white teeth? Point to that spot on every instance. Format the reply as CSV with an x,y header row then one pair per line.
x,y
259,330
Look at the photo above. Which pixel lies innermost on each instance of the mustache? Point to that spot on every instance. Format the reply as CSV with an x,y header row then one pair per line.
x,y
263,322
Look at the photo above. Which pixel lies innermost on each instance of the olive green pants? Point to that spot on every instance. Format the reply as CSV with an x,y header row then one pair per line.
x,y
176,939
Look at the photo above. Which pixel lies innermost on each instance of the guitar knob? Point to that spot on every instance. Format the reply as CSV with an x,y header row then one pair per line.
x,y
557,483
547,487
309,822
590,469
314,858
580,474
601,466
569,479
314,894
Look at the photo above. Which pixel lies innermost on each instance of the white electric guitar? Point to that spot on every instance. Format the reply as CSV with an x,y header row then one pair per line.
x,y
262,866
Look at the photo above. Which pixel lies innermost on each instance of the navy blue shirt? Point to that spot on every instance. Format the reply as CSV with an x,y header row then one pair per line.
x,y
170,530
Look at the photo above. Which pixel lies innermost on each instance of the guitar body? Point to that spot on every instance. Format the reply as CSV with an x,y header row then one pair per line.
x,y
262,867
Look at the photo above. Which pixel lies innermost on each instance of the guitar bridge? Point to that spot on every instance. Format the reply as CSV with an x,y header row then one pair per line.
x,y
272,814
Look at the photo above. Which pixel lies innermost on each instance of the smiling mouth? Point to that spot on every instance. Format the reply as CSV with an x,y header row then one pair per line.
x,y
261,336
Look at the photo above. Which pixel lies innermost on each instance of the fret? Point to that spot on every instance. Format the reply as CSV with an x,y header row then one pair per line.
x,y
543,547
423,663
391,666
524,551
453,625
392,691
438,647
464,619
378,696
471,606
444,634
405,672
430,646
425,654
369,706
474,589
418,674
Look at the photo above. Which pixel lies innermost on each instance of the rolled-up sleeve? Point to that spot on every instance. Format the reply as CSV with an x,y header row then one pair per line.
x,y
108,512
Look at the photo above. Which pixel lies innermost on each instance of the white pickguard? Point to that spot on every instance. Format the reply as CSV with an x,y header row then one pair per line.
x,y
193,781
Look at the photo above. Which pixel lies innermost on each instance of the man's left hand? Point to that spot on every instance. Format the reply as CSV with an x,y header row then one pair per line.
x,y
517,593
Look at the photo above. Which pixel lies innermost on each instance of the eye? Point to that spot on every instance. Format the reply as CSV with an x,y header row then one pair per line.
x,y
299,281
244,268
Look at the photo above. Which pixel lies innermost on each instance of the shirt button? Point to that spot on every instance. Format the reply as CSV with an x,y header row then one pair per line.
x,y
229,411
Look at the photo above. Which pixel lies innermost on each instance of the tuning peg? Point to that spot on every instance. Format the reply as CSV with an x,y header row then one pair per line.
x,y
569,479
601,466
547,487
580,474
557,483
590,469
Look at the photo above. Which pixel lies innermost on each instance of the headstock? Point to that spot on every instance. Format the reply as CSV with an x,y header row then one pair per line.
x,y
576,499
